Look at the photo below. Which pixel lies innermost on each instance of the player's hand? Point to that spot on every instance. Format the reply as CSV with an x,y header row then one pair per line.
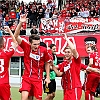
x,y
47,80
23,18
15,45
51,67
6,28
65,36
51,63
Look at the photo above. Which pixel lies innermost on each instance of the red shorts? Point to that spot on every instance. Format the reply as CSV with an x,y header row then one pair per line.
x,y
92,82
5,92
73,94
33,87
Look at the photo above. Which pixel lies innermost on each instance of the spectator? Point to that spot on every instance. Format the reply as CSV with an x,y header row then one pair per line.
x,y
33,17
80,13
40,15
63,13
12,14
7,19
33,30
60,4
48,14
92,12
53,5
3,7
13,27
73,13
23,29
55,14
85,13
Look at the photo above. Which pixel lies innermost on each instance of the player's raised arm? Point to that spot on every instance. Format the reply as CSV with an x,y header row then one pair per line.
x,y
6,28
17,31
71,45
15,44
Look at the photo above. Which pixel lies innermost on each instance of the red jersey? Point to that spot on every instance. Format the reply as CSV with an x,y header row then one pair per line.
x,y
64,80
4,65
50,55
34,61
96,61
83,67
71,73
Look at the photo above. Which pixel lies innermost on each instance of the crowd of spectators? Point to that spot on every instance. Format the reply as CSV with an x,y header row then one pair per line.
x,y
10,12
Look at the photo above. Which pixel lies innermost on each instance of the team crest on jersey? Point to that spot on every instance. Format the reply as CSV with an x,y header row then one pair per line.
x,y
34,56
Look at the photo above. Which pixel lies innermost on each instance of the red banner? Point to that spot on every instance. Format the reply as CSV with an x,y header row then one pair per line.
x,y
60,44
70,25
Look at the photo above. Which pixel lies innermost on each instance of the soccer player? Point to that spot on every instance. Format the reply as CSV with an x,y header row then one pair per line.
x,y
62,74
52,84
34,58
5,56
92,78
70,72
71,68
31,96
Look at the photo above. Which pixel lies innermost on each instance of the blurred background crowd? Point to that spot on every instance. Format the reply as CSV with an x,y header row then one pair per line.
x,y
10,12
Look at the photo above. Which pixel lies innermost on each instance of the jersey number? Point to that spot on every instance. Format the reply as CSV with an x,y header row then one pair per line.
x,y
1,65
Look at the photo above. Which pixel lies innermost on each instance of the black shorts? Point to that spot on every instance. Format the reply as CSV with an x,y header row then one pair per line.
x,y
51,87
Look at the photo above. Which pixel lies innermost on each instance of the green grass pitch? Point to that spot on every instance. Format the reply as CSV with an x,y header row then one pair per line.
x,y
59,94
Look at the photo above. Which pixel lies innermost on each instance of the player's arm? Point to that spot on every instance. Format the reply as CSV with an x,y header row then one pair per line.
x,y
72,47
17,31
57,71
15,44
47,68
90,69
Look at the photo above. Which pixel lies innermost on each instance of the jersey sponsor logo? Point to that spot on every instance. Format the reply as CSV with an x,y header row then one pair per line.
x,y
36,57
66,68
